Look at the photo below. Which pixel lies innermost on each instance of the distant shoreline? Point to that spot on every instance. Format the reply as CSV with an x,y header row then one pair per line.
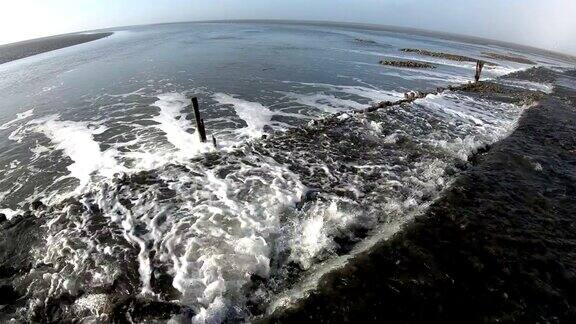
x,y
20,50
354,25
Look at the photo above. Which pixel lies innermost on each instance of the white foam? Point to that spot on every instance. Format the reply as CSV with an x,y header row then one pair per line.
x,y
314,233
325,102
19,117
376,126
343,117
440,78
372,93
138,92
174,124
14,164
375,95
528,85
38,151
215,239
96,304
18,134
254,114
9,213
76,141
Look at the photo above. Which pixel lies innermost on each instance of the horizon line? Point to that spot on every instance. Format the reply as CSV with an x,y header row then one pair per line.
x,y
350,24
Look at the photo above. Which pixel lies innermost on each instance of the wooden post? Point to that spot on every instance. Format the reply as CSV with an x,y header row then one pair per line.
x,y
202,131
199,121
479,66
214,142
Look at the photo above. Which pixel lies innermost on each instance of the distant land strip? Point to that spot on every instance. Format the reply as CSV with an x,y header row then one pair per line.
x,y
20,50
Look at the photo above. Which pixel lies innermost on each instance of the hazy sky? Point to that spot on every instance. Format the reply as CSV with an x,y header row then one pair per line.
x,y
548,24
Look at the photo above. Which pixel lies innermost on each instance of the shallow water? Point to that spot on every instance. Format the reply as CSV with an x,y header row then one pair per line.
x,y
224,231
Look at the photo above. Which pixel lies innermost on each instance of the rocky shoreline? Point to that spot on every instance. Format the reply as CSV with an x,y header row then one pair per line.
x,y
497,247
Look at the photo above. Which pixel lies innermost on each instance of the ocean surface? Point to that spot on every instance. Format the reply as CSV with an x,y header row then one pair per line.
x,y
104,135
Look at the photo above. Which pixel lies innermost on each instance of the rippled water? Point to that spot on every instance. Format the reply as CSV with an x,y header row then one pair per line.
x,y
103,133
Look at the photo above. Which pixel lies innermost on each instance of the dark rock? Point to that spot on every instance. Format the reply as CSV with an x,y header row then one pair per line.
x,y
408,64
140,310
8,295
7,271
37,205
535,74
309,195
447,56
508,57
17,239
54,311
365,41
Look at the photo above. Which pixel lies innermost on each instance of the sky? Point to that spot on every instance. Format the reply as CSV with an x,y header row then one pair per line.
x,y
549,24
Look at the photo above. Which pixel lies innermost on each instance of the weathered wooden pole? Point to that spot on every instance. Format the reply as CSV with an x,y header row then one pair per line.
x,y
202,131
479,66
214,142
199,121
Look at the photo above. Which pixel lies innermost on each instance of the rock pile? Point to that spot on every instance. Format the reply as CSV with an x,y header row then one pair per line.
x,y
408,64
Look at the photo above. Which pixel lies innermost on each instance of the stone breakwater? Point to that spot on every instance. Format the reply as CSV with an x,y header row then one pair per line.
x,y
497,246
408,64
442,55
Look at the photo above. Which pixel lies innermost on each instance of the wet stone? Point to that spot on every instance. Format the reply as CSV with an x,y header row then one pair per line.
x,y
447,56
508,57
138,310
408,64
8,295
363,41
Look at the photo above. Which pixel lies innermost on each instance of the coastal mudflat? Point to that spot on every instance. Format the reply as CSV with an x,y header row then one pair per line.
x,y
16,51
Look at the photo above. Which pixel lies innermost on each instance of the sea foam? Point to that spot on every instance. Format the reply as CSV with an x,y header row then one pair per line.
x,y
19,117
76,141
254,114
175,126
